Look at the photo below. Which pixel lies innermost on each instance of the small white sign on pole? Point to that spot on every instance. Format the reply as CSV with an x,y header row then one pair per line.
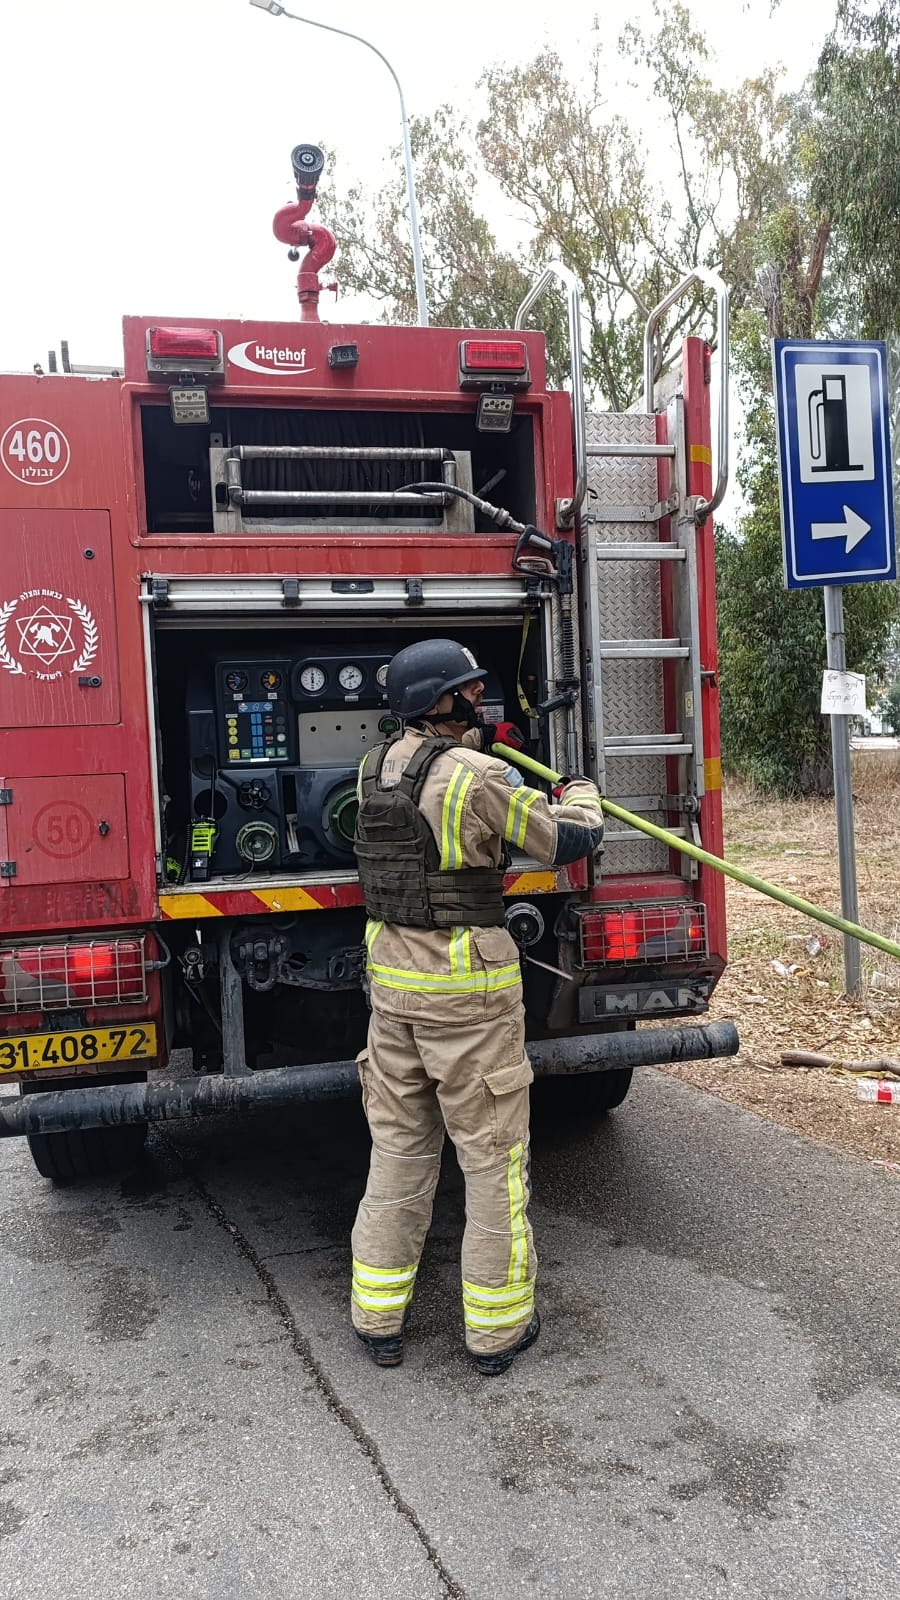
x,y
843,694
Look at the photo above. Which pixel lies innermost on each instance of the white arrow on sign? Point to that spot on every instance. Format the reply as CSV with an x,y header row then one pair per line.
x,y
854,529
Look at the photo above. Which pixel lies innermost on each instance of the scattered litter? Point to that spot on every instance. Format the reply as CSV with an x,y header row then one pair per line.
x,y
814,946
879,1089
883,980
756,999
889,1166
783,971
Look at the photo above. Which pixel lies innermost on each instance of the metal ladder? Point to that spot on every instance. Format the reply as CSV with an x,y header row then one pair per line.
x,y
621,586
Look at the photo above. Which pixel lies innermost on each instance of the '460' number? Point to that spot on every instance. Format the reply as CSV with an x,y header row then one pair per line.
x,y
34,451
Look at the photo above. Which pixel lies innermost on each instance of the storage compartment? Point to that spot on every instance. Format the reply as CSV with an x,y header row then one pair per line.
x,y
262,728
186,477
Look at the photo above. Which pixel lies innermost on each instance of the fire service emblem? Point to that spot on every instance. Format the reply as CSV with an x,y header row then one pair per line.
x,y
48,634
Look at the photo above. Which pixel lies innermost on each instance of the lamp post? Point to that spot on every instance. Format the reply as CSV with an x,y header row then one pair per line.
x,y
277,10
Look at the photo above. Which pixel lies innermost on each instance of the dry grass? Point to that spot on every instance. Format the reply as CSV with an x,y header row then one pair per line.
x,y
793,844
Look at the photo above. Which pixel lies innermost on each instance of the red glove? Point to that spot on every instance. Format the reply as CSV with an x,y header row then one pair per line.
x,y
503,733
573,777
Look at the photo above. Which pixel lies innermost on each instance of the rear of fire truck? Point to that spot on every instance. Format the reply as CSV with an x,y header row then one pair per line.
x,y
209,559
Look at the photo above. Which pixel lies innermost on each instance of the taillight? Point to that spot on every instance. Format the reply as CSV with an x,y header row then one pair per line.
x,y
484,361
650,933
185,350
84,973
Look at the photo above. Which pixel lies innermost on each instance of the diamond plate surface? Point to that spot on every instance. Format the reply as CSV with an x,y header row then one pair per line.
x,y
628,601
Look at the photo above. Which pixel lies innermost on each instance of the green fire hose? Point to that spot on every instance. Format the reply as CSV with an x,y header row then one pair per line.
x,y
687,849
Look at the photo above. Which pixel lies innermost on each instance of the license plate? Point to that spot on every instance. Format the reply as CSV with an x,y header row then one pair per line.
x,y
84,1048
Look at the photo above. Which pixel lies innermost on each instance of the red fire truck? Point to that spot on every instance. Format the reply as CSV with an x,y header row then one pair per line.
x,y
208,559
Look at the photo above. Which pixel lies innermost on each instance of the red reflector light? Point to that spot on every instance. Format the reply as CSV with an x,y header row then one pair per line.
x,y
650,933
184,344
493,355
94,973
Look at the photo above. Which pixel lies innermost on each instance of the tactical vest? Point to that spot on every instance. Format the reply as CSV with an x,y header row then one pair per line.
x,y
398,857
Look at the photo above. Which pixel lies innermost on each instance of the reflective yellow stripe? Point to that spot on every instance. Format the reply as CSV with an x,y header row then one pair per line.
x,y
373,1300
451,817
581,800
520,803
383,1289
373,929
375,1276
441,983
460,952
497,1308
515,1184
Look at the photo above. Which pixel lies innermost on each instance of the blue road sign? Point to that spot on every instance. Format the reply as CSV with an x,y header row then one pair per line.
x,y
837,503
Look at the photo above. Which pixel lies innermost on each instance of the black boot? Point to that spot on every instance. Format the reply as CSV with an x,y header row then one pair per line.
x,y
501,1360
386,1350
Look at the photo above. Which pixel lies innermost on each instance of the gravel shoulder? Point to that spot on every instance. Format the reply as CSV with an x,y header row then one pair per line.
x,y
784,985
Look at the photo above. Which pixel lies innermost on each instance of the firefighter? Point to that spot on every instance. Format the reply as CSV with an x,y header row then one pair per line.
x,y
446,1043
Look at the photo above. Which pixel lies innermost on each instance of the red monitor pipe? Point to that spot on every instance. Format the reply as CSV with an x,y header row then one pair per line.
x,y
290,226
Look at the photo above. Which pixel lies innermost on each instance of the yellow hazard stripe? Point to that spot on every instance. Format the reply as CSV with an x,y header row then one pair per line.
x,y
701,452
287,900
210,905
520,803
188,905
451,817
532,883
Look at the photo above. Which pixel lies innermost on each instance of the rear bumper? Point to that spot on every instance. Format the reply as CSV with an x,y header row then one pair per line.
x,y
91,1106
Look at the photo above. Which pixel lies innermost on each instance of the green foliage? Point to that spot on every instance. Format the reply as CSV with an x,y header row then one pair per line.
x,y
575,177
890,708
856,165
772,640
795,199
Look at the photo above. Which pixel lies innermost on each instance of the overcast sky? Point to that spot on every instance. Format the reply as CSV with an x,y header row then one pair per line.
x,y
146,146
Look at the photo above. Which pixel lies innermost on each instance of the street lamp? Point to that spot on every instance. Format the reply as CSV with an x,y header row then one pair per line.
x,y
278,10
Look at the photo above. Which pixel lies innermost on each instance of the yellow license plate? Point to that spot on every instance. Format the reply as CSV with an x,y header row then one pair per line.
x,y
83,1048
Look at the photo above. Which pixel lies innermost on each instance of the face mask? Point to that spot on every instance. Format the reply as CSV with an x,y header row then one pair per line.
x,y
463,711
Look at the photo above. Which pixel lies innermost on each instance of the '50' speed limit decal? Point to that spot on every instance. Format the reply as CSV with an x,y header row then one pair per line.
x,y
34,451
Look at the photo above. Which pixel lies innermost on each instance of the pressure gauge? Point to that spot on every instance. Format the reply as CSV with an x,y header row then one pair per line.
x,y
236,681
381,675
270,680
350,678
312,679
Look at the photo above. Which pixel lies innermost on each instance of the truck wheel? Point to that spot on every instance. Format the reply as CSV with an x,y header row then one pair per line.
x,y
595,1093
87,1152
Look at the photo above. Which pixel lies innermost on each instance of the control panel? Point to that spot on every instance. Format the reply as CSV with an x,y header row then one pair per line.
x,y
274,749
253,712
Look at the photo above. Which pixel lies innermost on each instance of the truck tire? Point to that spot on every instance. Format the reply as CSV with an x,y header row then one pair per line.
x,y
87,1153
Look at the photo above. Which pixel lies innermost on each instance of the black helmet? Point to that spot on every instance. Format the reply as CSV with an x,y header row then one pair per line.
x,y
420,674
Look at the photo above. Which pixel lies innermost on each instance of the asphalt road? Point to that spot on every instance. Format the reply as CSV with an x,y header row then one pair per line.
x,y
713,1408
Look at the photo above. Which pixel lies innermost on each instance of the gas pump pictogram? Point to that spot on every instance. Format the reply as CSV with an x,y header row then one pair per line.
x,y
835,431
829,430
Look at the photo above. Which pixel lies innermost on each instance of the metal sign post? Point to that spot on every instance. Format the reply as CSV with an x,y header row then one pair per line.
x,y
837,519
843,790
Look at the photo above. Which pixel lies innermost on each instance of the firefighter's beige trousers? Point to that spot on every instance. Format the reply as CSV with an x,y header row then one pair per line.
x,y
417,1078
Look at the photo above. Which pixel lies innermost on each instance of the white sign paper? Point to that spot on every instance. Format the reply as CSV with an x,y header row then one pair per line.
x,y
843,694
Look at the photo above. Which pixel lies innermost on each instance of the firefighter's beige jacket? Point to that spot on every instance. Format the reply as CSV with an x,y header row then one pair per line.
x,y
473,804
